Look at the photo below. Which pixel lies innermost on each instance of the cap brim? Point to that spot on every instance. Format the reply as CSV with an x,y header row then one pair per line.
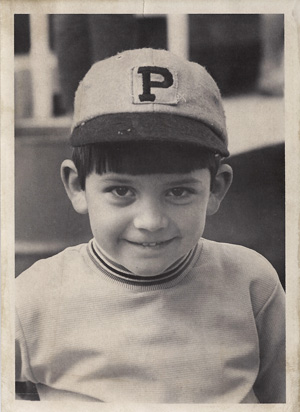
x,y
147,126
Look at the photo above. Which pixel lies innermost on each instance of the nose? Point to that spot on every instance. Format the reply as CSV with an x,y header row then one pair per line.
x,y
150,217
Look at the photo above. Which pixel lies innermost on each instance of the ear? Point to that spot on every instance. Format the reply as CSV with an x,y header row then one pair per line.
x,y
69,176
219,189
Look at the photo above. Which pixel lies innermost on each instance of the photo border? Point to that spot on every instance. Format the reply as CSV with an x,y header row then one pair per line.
x,y
286,7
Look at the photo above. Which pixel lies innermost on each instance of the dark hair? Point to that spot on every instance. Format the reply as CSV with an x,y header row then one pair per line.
x,y
138,158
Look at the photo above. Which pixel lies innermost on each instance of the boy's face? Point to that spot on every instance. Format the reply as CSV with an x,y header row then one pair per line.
x,y
147,222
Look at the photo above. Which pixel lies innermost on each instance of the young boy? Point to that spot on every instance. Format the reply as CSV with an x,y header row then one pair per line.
x,y
148,310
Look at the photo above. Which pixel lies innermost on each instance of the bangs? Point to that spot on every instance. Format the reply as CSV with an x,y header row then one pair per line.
x,y
140,158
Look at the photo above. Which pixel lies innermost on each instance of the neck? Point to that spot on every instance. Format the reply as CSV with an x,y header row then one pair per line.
x,y
118,272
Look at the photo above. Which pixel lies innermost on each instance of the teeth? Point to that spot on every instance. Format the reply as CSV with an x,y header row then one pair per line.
x,y
149,244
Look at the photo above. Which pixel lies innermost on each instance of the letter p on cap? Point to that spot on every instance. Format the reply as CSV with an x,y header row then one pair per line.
x,y
155,85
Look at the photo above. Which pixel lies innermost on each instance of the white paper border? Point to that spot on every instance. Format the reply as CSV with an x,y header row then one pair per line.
x,y
9,7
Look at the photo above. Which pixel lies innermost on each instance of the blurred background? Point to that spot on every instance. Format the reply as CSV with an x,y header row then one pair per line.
x,y
244,53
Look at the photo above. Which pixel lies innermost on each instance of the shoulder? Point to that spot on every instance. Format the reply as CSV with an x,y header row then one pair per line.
x,y
42,266
244,270
238,258
44,276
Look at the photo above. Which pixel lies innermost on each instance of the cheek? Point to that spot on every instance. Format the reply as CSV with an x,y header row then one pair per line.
x,y
192,221
99,218
107,224
197,223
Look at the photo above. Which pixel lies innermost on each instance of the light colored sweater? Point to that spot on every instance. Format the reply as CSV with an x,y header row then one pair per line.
x,y
213,332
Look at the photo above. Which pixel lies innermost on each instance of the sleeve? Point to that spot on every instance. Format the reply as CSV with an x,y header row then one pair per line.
x,y
270,385
23,370
37,298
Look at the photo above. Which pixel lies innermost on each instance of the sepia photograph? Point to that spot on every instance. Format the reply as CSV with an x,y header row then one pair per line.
x,y
153,245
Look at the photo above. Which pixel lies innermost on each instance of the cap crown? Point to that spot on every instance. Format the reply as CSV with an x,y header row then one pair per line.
x,y
151,81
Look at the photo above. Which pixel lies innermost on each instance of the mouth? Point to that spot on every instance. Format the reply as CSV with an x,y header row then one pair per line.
x,y
151,245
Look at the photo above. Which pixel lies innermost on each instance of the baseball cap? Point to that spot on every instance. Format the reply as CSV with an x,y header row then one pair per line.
x,y
149,94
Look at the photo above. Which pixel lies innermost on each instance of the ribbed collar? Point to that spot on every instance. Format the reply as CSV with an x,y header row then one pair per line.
x,y
120,274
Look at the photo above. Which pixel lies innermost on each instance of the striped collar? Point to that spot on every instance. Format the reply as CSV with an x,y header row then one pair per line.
x,y
119,273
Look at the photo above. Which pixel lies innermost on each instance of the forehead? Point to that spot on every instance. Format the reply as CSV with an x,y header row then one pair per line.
x,y
196,177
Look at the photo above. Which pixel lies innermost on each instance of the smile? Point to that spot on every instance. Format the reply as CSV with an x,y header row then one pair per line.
x,y
151,244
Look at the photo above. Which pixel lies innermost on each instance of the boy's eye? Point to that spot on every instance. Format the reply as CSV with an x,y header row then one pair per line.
x,y
122,191
178,192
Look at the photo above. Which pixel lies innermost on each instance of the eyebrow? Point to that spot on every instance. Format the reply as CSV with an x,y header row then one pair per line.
x,y
117,180
183,181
